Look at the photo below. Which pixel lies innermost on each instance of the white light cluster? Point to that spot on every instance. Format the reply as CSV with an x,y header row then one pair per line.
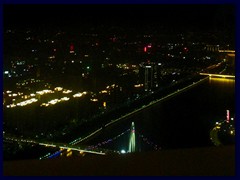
x,y
23,103
58,88
45,91
77,95
11,106
29,101
55,101
80,94
12,95
104,91
138,85
67,91
65,99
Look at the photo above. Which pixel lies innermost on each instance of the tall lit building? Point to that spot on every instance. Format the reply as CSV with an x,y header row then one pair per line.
x,y
150,76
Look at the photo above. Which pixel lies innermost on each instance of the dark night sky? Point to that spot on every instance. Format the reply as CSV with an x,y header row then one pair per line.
x,y
198,16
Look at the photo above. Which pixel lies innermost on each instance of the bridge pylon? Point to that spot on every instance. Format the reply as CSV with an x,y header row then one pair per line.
x,y
132,139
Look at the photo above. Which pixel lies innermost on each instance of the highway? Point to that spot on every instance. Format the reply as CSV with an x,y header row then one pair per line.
x,y
62,146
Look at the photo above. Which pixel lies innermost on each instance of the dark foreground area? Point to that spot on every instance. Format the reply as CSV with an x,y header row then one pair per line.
x,y
210,161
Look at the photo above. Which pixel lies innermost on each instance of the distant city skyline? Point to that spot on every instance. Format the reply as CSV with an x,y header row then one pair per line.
x,y
198,17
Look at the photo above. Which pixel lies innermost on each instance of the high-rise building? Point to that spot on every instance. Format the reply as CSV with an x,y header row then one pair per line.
x,y
150,76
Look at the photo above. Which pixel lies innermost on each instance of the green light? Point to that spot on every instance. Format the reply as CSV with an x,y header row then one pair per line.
x,y
88,67
132,139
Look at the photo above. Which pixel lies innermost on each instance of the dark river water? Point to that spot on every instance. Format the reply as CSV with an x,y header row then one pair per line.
x,y
183,121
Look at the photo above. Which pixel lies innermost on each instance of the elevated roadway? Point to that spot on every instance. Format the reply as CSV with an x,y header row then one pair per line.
x,y
218,75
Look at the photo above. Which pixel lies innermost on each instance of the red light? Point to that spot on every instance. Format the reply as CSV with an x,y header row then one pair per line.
x,y
71,47
228,116
145,49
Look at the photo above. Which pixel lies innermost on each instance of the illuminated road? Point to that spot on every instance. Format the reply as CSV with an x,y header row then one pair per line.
x,y
57,145
218,75
227,51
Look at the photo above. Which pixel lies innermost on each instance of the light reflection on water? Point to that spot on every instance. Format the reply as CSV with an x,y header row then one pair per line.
x,y
222,80
183,121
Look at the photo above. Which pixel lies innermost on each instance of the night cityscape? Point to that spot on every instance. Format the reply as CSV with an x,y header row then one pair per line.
x,y
114,87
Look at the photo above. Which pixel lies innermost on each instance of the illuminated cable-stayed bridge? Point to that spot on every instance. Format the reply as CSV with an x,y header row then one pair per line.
x,y
92,149
132,140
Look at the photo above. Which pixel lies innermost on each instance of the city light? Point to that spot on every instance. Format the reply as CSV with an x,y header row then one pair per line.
x,y
104,104
46,91
71,48
228,116
55,101
64,99
145,49
113,85
123,151
58,88
67,91
78,95
29,101
104,91
11,106
138,85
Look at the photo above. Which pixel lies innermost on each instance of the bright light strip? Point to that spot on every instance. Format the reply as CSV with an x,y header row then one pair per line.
x,y
218,75
77,95
46,91
67,91
29,101
55,101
